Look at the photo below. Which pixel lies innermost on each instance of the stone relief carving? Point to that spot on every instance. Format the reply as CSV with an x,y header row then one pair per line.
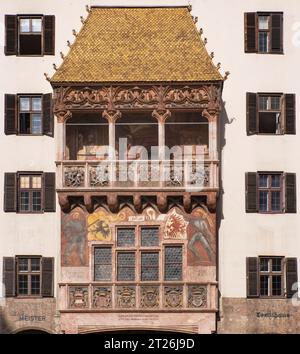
x,y
197,296
102,297
150,296
173,296
126,296
78,297
74,176
99,175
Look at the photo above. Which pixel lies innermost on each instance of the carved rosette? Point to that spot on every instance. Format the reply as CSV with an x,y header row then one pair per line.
x,y
149,296
197,296
102,297
74,176
78,297
126,296
173,296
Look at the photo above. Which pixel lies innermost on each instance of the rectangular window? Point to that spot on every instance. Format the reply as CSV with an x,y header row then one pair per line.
x,y
30,115
270,114
263,32
173,263
30,193
150,266
271,276
126,266
28,276
103,263
30,36
270,193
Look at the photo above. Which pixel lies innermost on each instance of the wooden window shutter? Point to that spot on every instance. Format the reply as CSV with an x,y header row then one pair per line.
x,y
10,116
10,192
49,192
251,114
47,276
252,277
276,33
48,123
49,35
250,32
11,32
251,192
290,114
9,276
290,193
291,276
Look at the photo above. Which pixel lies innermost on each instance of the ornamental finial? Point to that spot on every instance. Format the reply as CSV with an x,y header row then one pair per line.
x,y
227,73
47,76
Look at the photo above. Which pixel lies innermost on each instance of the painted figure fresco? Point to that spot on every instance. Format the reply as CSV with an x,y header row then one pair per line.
x,y
74,242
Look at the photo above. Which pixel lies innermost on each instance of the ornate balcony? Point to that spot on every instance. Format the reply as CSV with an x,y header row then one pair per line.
x,y
188,175
84,297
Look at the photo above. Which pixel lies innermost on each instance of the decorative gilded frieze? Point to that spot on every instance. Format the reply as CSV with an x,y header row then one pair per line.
x,y
158,98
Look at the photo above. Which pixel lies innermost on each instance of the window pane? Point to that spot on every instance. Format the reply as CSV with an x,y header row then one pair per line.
x,y
24,182
263,103
275,181
36,124
276,264
35,285
263,42
264,285
36,182
263,22
36,24
36,103
275,103
24,201
275,201
35,264
24,123
263,181
23,284
103,263
149,263
264,264
36,201
24,25
276,285
263,201
23,264
173,263
24,104
149,236
126,237
126,266
30,44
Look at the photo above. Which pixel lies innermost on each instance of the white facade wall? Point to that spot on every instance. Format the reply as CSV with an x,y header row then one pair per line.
x,y
240,234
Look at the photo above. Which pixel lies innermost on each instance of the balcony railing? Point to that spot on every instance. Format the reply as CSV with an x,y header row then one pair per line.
x,y
150,296
138,174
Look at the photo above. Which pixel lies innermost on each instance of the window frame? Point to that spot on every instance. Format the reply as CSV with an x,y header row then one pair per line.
x,y
29,274
30,190
271,189
30,96
30,17
268,31
269,95
270,273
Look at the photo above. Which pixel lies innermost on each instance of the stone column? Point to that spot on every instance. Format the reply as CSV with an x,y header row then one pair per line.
x,y
161,117
111,116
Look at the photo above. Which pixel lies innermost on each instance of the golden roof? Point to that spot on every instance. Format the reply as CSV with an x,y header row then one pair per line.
x,y
137,45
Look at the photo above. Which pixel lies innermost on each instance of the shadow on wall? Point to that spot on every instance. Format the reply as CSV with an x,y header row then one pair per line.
x,y
5,327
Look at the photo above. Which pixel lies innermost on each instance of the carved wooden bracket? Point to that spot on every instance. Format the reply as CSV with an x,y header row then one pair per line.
x,y
111,115
112,202
64,202
62,116
187,203
137,202
162,202
211,201
88,203
161,115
